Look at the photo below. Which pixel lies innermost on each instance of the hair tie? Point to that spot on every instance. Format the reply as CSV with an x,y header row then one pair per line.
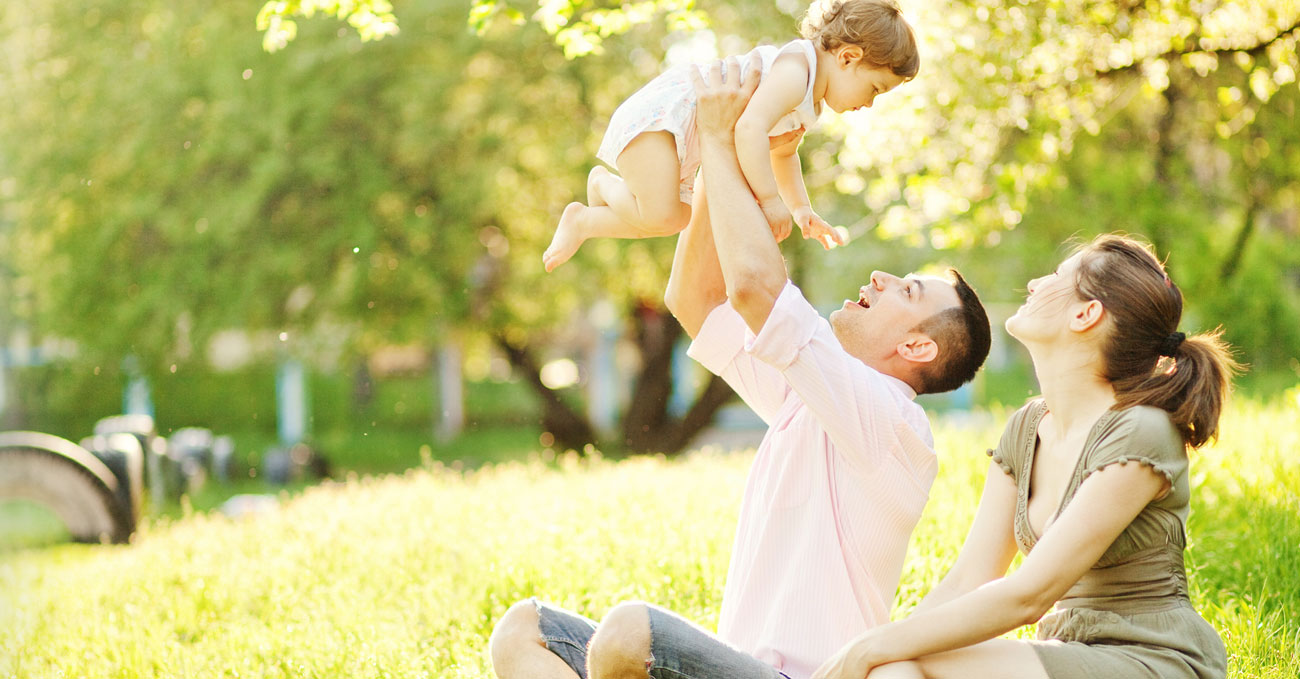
x,y
1169,347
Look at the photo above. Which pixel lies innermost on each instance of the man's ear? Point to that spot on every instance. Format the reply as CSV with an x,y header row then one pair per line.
x,y
918,348
1087,315
848,55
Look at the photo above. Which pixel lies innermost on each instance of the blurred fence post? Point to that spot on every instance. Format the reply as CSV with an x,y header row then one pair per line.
x,y
4,384
684,386
451,392
602,369
136,397
291,401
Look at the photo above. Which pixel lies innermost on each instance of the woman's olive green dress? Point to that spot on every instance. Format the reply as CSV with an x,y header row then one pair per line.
x,y
1129,616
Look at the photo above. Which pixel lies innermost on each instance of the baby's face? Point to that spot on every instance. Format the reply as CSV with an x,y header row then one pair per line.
x,y
856,85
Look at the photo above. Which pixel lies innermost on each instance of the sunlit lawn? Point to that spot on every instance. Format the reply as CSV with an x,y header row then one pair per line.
x,y
403,576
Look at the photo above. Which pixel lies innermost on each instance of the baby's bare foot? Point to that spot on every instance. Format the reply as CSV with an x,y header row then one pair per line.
x,y
594,199
568,237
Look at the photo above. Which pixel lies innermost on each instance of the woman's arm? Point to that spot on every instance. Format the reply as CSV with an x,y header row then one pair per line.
x,y
990,545
1103,507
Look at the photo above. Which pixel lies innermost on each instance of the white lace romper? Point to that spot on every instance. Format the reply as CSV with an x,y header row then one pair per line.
x,y
668,103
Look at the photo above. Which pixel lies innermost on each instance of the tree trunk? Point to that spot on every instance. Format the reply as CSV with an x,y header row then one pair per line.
x,y
1233,260
1164,151
715,395
647,426
646,419
571,430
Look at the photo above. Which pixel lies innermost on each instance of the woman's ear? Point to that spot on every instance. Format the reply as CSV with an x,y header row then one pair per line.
x,y
848,55
1087,315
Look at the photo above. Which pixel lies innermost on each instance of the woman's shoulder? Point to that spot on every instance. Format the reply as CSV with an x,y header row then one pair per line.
x,y
1145,427
1144,434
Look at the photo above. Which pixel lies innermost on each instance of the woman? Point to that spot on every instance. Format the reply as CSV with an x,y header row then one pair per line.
x,y
1090,481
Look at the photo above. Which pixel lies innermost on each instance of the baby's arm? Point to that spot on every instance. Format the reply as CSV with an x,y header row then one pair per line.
x,y
776,177
788,173
779,93
789,184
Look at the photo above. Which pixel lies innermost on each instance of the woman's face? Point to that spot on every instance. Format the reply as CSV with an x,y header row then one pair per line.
x,y
1046,311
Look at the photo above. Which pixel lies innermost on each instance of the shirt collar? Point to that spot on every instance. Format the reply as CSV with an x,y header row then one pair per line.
x,y
902,386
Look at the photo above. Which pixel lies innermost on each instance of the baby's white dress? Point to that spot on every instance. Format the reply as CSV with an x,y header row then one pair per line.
x,y
668,103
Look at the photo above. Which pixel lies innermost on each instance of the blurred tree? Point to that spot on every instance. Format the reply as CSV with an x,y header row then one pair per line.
x,y
166,178
1187,109
337,198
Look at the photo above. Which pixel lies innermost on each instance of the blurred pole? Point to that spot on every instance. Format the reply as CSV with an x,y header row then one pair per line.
x,y
291,401
602,385
684,386
136,398
451,392
602,367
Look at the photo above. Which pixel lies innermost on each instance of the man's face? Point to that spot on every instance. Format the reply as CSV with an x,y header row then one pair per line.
x,y
872,326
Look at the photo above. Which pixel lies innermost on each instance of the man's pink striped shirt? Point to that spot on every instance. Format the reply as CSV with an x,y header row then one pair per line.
x,y
835,490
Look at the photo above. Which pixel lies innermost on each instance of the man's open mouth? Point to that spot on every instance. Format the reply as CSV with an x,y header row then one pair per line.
x,y
864,302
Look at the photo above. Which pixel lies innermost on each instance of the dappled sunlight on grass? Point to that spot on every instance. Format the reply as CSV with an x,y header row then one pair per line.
x,y
404,575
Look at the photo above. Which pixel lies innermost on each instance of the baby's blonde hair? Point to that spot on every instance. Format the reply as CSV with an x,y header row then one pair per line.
x,y
877,26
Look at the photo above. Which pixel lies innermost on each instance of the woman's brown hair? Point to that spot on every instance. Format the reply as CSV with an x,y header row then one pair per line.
x,y
1145,307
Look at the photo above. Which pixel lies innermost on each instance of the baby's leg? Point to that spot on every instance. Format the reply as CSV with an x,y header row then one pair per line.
x,y
597,175
644,202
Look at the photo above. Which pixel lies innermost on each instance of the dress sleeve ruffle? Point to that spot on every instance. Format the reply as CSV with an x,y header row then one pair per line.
x,y
1010,451
1000,462
1162,467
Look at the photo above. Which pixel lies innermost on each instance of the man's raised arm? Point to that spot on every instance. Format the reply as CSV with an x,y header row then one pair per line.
x,y
695,285
752,268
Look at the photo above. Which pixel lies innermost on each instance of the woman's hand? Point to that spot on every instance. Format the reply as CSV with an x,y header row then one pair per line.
x,y
813,226
851,662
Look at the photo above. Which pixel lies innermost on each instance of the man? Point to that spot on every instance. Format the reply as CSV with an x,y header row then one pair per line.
x,y
842,474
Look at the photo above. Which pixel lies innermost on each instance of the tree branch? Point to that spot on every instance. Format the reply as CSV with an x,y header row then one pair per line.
x,y
1253,50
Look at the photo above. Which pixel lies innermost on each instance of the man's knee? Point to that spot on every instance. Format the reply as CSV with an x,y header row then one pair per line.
x,y
516,629
621,647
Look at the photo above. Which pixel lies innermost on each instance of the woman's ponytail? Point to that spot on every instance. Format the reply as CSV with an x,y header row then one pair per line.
x,y
1145,358
1192,385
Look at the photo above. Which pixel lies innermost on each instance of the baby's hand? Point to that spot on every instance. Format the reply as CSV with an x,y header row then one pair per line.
x,y
813,226
778,218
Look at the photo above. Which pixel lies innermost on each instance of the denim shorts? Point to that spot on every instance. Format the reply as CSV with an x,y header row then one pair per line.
x,y
679,649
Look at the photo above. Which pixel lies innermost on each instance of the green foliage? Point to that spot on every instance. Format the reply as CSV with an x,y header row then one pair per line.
x,y
372,19
405,575
166,180
580,27
344,198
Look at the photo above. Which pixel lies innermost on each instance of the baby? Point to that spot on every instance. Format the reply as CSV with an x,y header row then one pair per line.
x,y
852,51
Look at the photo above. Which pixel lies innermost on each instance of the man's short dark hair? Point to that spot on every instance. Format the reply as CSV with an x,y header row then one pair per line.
x,y
962,333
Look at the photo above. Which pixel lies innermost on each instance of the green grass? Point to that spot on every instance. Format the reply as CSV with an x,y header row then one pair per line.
x,y
403,575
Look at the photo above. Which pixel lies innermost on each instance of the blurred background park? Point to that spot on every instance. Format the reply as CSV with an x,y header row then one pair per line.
x,y
321,222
